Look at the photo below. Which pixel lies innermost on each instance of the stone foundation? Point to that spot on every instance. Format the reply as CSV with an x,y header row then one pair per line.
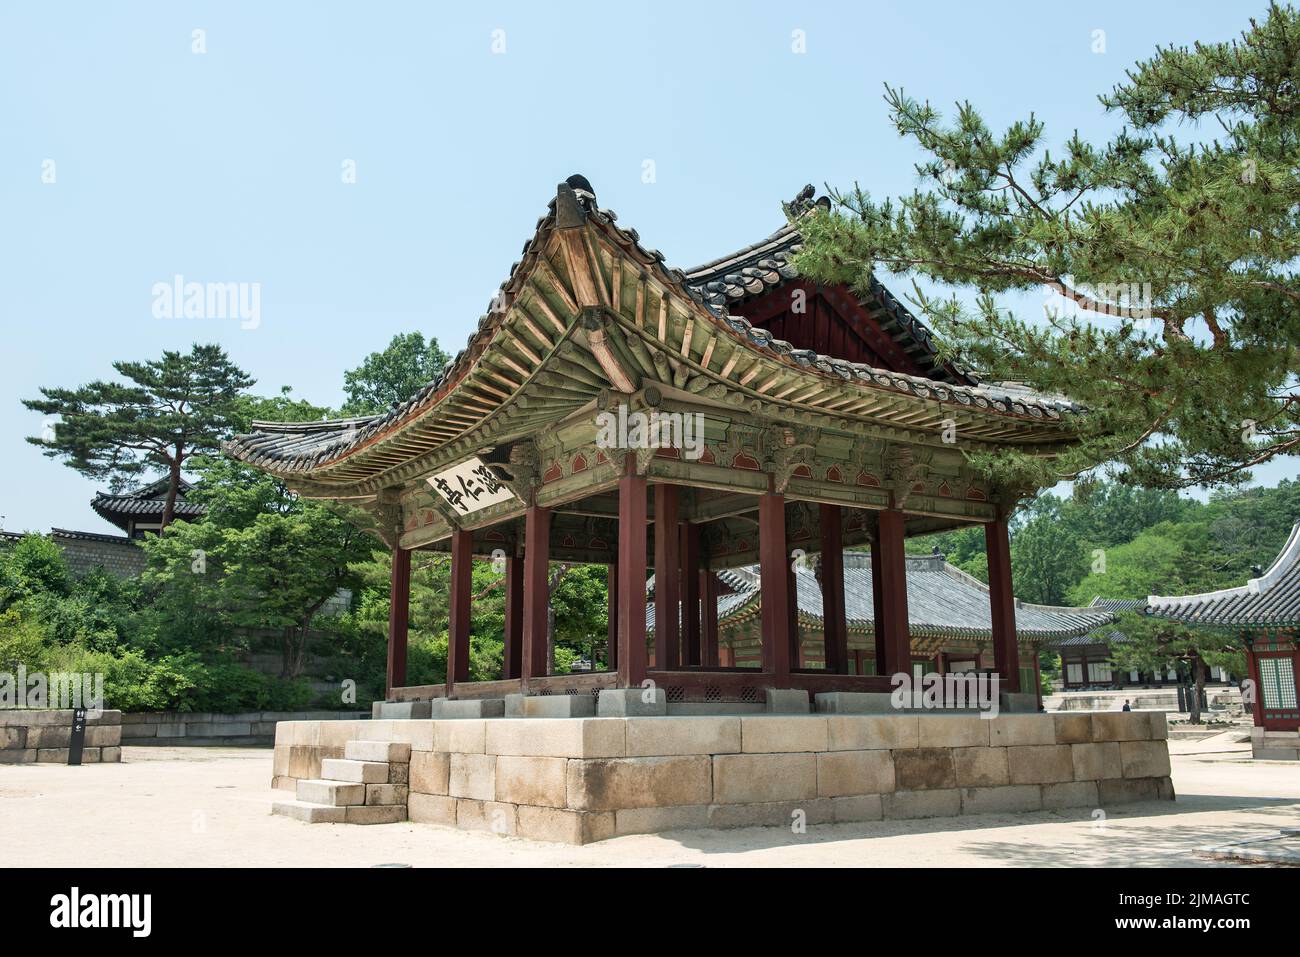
x,y
1274,745
32,736
578,780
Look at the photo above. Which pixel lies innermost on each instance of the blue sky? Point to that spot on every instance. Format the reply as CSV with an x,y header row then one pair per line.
x,y
227,165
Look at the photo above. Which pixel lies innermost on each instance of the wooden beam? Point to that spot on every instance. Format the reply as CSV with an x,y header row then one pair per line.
x,y
514,623
1002,605
458,607
709,629
611,593
689,536
774,564
895,652
631,577
835,623
668,651
399,610
537,552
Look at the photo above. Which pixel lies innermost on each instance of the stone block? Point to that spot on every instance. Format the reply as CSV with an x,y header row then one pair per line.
x,y
848,773
280,761
1144,759
1070,794
430,771
310,813
13,738
629,702
47,736
385,751
403,710
550,706
472,776
918,804
280,783
564,826
431,809
1018,702
90,755
141,732
924,769
1121,726
356,772
52,755
18,756
1008,730
399,772
786,701
616,783
1073,728
106,718
769,734
1262,752
1095,761
1040,764
110,755
756,778
855,702
36,717
386,794
1001,800
954,731
333,793
177,730
653,820
647,737
1127,790
873,732
374,814
304,761
531,780
981,767
108,736
860,807
466,736
470,708
786,814
1159,725
557,737
500,819
418,734
1165,789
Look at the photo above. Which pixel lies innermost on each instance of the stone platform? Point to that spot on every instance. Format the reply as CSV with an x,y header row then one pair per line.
x,y
578,780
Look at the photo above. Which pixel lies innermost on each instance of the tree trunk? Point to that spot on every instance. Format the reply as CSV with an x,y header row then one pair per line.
x,y
1194,698
1198,688
173,489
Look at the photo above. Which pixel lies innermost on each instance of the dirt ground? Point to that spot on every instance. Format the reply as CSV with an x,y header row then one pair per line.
x,y
206,807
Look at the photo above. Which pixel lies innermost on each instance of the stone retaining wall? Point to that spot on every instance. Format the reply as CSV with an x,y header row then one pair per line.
x,y
32,736
201,728
586,779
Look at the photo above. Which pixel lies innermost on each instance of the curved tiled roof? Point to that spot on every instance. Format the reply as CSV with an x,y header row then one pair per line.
x,y
304,447
942,602
148,500
1271,599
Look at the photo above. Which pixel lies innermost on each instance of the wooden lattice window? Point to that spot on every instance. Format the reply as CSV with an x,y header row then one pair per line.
x,y
1277,683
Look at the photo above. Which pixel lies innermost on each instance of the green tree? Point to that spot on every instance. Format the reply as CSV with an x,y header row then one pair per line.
x,y
393,375
166,411
1173,307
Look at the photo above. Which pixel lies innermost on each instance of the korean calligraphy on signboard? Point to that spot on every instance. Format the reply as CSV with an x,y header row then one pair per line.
x,y
470,486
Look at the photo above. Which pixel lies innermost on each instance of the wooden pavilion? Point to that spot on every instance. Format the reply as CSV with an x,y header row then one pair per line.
x,y
827,420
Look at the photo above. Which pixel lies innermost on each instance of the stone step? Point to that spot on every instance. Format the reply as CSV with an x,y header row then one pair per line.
x,y
401,710
310,813
331,793
376,814
355,772
386,751
385,794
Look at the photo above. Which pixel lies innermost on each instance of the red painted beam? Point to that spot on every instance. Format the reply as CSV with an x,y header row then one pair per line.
x,y
774,567
537,553
893,595
458,607
689,536
668,590
836,627
514,624
1002,605
611,640
631,578
709,615
878,602
399,612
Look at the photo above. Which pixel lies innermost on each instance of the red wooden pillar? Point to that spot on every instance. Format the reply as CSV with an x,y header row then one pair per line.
x,y
514,625
834,622
1002,605
611,598
897,644
631,578
878,601
690,541
458,617
709,618
1038,681
796,642
537,554
399,611
668,588
774,568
